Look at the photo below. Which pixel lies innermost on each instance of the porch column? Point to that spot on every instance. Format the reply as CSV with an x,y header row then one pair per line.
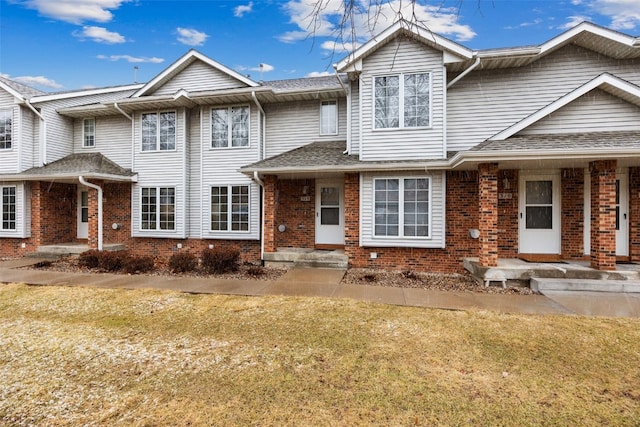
x,y
634,213
269,206
488,218
37,207
92,223
351,215
603,214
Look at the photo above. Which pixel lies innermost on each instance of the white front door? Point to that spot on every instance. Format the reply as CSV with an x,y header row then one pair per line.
x,y
539,214
329,212
83,213
622,213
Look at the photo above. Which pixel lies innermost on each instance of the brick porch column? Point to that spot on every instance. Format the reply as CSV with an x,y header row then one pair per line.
x,y
351,215
634,213
603,214
269,206
488,219
92,224
36,212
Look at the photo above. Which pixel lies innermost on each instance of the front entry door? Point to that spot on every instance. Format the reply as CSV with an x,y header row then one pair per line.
x,y
622,223
539,214
329,213
83,213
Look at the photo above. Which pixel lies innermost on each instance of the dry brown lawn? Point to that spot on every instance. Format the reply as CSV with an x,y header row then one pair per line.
x,y
76,356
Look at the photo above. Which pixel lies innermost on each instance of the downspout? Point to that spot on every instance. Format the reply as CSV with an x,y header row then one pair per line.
x,y
133,148
262,139
257,179
464,73
348,93
117,107
99,189
44,131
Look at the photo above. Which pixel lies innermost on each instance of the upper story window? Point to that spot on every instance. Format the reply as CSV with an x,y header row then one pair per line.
x,y
89,133
159,131
158,207
8,208
230,127
5,129
402,101
402,207
329,117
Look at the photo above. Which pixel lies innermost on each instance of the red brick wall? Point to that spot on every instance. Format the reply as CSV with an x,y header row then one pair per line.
x,y
572,221
269,206
116,209
296,214
53,213
603,214
164,248
508,213
634,213
488,219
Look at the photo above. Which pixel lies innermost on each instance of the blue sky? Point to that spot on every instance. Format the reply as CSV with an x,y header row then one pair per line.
x,y
58,45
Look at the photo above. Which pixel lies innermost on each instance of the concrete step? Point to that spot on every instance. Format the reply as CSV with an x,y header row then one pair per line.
x,y
307,258
540,285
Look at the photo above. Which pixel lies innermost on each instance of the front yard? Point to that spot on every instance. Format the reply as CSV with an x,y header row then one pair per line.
x,y
76,356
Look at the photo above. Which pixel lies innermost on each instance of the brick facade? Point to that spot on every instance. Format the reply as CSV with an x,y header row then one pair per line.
x,y
572,222
295,209
634,214
508,213
269,206
603,214
488,217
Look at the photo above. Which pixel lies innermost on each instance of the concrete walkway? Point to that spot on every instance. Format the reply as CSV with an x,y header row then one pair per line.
x,y
317,282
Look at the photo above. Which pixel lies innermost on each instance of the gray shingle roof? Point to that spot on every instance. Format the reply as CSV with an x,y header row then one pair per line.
x,y
325,82
80,164
564,142
23,90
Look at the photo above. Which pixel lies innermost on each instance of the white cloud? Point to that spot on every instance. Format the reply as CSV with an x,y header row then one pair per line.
x,y
265,68
572,21
129,58
191,37
40,81
99,35
76,11
321,18
339,47
319,74
624,14
239,11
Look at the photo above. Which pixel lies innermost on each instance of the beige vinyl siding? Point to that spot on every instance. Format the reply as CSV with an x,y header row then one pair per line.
x,y
367,238
402,55
160,169
23,211
354,129
596,111
194,185
9,158
294,124
486,102
112,139
198,77
27,141
220,167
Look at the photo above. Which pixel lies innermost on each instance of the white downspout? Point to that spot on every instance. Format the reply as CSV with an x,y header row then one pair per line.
x,y
99,189
262,138
464,73
257,179
117,107
43,154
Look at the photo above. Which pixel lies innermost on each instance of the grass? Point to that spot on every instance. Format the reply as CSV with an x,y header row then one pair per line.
x,y
76,356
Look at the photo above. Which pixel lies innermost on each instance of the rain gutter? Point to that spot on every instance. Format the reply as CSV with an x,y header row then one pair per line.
x,y
99,189
465,72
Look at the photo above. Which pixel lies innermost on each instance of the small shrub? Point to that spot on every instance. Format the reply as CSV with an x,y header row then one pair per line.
x,y
370,277
112,261
219,260
89,259
182,262
138,264
43,264
255,271
408,274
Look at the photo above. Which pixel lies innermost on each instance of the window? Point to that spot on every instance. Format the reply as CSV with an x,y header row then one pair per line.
x,y
5,129
230,127
402,207
230,213
328,118
89,133
402,101
159,131
8,208
158,206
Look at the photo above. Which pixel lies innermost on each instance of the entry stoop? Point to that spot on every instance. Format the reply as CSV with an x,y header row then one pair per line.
x,y
67,249
541,285
300,257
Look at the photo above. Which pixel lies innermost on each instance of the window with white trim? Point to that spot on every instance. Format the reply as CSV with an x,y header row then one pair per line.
x,y
8,208
6,118
230,208
328,117
157,208
230,127
159,131
402,101
89,133
402,207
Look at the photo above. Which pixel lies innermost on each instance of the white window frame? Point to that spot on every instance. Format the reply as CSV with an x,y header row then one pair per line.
x,y
158,209
401,202
334,118
230,208
86,134
15,208
230,127
157,135
401,95
4,115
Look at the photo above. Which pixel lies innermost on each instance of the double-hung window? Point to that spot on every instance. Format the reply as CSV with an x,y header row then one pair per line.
x,y
402,101
328,118
5,129
402,207
88,133
230,208
230,127
159,131
8,208
158,208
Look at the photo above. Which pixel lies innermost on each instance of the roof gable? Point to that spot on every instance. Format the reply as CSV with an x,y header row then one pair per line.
x,y
192,60
607,82
18,90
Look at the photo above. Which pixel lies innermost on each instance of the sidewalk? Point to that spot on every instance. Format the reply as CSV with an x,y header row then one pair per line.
x,y
317,282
